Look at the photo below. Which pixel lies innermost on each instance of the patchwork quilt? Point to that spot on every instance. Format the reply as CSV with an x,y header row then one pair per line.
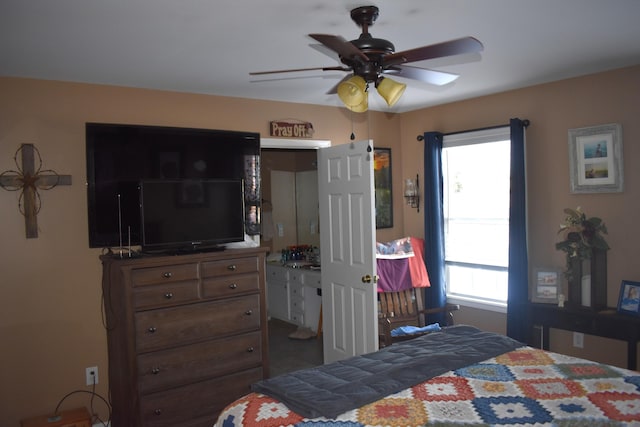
x,y
524,387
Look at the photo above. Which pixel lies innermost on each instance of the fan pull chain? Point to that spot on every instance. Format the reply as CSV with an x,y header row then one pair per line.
x,y
369,124
353,135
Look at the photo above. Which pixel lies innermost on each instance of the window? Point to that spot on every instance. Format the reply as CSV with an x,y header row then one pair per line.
x,y
476,181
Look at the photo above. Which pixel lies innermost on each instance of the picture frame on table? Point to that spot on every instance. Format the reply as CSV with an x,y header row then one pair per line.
x,y
595,159
546,285
383,187
629,298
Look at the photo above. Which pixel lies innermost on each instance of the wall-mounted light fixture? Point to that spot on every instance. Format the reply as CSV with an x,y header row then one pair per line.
x,y
412,192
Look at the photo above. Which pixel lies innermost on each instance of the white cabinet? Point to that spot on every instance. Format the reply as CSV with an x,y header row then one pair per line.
x,y
278,292
293,295
296,296
312,299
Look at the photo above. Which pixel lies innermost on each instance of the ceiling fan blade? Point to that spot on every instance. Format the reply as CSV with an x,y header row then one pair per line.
x,y
338,44
438,78
448,48
293,70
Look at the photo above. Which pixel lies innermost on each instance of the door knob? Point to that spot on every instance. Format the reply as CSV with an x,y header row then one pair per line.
x,y
366,279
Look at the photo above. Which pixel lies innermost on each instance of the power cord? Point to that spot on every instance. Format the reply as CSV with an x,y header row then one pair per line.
x,y
94,416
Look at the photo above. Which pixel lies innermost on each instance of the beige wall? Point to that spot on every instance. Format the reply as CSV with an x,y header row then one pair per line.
x,y
611,97
50,321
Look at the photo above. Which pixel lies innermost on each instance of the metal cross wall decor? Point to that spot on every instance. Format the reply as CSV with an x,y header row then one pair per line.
x,y
28,179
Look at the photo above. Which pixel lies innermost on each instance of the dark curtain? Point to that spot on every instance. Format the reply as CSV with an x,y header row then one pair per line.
x,y
518,264
436,294
434,230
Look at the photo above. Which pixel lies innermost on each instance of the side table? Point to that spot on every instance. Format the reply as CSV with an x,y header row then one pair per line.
x,y
605,323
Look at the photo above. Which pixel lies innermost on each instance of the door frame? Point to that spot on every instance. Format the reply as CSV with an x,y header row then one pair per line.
x,y
294,144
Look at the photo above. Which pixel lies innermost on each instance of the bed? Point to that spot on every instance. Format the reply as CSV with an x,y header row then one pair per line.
x,y
457,376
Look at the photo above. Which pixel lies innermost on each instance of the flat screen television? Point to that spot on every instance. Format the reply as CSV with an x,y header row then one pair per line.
x,y
120,156
191,215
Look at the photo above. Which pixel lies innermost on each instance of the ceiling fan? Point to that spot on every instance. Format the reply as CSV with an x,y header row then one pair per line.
x,y
370,58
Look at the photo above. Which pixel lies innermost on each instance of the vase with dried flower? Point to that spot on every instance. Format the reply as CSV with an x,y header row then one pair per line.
x,y
586,255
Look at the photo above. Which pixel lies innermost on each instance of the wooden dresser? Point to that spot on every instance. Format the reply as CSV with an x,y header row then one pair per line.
x,y
187,334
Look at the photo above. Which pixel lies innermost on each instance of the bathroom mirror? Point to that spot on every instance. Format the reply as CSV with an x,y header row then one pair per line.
x,y
290,192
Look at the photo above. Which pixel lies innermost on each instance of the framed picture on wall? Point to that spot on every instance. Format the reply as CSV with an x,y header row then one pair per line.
x,y
595,159
383,187
546,285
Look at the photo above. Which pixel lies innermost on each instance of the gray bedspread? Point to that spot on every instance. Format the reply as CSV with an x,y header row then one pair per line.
x,y
332,389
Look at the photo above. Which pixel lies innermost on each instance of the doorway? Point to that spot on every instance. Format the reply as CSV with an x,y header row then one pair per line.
x,y
290,198
290,217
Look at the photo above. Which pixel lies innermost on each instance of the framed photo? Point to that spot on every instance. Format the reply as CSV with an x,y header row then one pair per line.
x,y
629,300
383,187
546,285
595,159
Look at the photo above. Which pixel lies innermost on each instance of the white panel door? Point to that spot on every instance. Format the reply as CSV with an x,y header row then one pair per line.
x,y
347,223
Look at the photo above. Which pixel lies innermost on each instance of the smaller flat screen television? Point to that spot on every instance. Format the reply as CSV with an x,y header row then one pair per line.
x,y
191,215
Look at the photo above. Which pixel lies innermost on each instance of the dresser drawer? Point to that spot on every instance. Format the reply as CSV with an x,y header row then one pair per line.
x,y
297,310
203,399
313,279
171,327
164,274
297,318
230,285
297,304
232,266
183,365
297,290
165,295
295,277
278,273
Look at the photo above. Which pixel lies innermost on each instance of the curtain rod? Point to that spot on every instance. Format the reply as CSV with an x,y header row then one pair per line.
x,y
525,123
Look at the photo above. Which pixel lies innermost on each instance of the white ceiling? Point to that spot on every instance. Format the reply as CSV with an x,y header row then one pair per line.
x,y
211,46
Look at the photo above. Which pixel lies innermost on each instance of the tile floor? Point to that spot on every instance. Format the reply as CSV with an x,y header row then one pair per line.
x,y
286,354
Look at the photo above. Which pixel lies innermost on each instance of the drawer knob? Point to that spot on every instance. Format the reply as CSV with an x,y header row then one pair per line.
x,y
250,350
232,267
167,274
158,412
248,312
168,295
233,286
155,371
152,329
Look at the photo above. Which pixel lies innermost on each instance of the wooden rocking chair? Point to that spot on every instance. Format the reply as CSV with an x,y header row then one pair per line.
x,y
406,308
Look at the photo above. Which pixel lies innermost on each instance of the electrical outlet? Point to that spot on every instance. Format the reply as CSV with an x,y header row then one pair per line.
x,y
578,339
92,375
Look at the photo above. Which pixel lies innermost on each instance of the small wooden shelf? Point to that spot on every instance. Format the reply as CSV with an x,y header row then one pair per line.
x,y
72,418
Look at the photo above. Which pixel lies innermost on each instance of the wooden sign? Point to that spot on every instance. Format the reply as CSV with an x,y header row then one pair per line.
x,y
291,128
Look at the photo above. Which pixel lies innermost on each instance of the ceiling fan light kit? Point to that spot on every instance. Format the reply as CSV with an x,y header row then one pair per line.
x,y
360,107
368,58
352,91
390,90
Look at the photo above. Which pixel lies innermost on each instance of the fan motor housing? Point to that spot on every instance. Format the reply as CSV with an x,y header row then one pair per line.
x,y
374,48
368,44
